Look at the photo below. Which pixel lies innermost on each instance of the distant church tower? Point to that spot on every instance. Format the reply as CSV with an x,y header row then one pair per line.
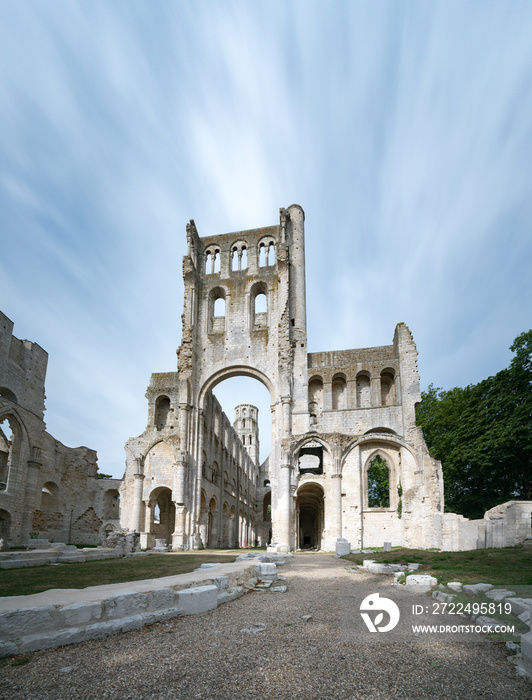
x,y
247,428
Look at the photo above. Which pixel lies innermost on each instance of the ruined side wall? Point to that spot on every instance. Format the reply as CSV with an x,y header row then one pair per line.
x,y
49,490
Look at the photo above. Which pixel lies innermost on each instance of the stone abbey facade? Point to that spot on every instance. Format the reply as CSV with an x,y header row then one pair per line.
x,y
347,459
46,489
194,479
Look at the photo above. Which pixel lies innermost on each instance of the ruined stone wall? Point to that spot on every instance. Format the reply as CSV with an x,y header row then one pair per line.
x,y
47,490
161,480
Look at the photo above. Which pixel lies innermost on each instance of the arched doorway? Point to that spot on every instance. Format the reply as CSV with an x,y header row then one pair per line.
x,y
163,514
310,516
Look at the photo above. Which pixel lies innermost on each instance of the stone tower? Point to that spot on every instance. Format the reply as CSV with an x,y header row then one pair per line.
x,y
333,414
247,428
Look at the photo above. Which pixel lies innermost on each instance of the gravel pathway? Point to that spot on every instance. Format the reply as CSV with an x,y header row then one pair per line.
x,y
260,646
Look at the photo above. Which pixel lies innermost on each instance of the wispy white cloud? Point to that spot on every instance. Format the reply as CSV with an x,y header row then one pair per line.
x,y
403,129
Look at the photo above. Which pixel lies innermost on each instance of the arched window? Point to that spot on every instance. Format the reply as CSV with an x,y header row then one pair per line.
x,y
339,391
315,398
212,261
162,412
217,310
387,387
239,256
266,252
378,483
363,390
259,306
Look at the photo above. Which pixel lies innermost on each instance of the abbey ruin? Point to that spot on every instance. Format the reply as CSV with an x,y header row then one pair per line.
x,y
347,458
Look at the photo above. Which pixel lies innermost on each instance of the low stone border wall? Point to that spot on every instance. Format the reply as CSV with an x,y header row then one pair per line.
x,y
66,616
60,554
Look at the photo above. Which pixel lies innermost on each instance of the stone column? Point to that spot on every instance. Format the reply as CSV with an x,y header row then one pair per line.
x,y
195,515
232,530
285,507
136,513
178,537
30,500
375,391
203,526
336,509
178,494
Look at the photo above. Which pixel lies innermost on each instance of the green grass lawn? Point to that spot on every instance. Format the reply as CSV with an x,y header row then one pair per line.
x,y
511,566
24,581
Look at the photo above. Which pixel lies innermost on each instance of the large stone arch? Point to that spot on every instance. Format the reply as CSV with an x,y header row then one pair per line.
x,y
11,450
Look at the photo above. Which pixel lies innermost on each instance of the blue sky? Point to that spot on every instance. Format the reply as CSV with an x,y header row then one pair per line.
x,y
404,130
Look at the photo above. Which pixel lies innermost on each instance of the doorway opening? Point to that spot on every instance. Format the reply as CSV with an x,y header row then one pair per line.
x,y
310,516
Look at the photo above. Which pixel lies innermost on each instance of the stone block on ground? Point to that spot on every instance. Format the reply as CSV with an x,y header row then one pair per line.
x,y
343,547
519,605
455,586
266,572
476,588
421,582
198,600
498,594
526,651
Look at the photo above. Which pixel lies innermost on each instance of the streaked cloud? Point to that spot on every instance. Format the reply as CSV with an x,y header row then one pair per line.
x,y
403,129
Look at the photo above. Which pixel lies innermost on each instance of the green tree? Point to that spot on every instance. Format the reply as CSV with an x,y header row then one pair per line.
x,y
378,484
483,435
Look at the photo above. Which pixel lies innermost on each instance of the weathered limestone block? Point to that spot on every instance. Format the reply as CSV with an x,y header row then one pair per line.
x,y
476,588
343,547
421,582
443,597
526,651
162,598
221,582
80,613
455,586
198,600
498,594
18,623
519,605
121,606
266,572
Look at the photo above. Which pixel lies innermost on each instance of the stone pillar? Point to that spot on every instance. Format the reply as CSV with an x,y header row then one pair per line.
x,y
178,537
232,531
136,513
375,391
335,525
179,481
195,515
203,526
30,500
285,504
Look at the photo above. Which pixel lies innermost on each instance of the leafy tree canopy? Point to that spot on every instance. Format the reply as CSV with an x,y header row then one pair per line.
x,y
483,436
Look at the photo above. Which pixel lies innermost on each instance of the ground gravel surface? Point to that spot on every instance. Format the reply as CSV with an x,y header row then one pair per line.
x,y
264,645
